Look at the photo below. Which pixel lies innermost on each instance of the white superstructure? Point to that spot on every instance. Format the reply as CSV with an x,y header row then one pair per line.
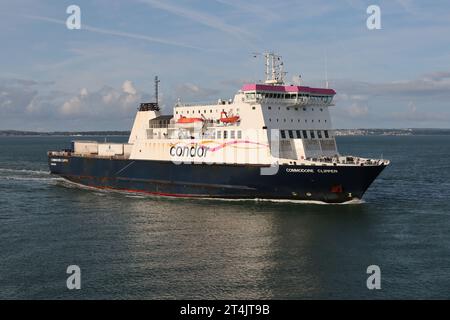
x,y
262,124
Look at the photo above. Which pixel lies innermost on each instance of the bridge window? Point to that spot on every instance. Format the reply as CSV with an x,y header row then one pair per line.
x,y
225,134
291,134
319,134
239,134
305,134
326,134
232,135
298,134
283,134
219,134
311,133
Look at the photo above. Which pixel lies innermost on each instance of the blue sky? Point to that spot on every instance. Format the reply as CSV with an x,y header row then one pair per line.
x,y
52,78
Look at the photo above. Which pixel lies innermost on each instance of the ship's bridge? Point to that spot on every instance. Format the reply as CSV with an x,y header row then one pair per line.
x,y
288,94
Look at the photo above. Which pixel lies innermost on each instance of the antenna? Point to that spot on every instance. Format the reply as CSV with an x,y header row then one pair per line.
x,y
274,67
326,69
156,89
151,106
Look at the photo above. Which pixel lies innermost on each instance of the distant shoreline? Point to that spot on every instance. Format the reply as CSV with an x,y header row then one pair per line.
x,y
338,132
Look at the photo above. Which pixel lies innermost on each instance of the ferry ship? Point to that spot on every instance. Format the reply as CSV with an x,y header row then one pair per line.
x,y
271,141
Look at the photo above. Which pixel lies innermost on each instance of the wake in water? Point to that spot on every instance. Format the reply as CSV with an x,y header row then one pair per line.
x,y
27,175
24,171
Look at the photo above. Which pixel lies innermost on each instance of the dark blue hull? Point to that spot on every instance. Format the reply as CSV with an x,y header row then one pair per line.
x,y
335,184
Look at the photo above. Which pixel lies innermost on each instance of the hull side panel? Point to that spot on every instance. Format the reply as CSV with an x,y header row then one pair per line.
x,y
320,183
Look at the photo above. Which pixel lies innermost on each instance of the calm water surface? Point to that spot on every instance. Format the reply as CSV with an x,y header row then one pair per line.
x,y
132,246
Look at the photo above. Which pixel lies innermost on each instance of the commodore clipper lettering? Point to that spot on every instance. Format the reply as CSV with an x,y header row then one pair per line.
x,y
218,150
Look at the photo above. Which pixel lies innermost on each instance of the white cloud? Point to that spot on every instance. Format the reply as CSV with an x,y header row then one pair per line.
x,y
71,107
415,115
193,91
104,103
355,110
128,87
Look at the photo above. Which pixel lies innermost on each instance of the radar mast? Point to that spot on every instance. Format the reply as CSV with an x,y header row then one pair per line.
x,y
274,68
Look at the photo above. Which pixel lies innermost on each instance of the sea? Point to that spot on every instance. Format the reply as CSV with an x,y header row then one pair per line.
x,y
129,246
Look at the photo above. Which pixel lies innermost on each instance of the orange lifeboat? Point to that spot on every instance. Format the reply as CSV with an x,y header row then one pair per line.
x,y
189,120
225,119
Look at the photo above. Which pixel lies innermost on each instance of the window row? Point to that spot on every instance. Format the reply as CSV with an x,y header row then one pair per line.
x,y
304,134
204,111
273,95
295,108
229,134
298,120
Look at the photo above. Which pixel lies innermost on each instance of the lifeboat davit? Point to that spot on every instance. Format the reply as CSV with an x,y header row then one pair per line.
x,y
189,120
225,119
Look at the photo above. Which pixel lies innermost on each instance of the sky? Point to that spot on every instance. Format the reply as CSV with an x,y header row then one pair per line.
x,y
54,78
